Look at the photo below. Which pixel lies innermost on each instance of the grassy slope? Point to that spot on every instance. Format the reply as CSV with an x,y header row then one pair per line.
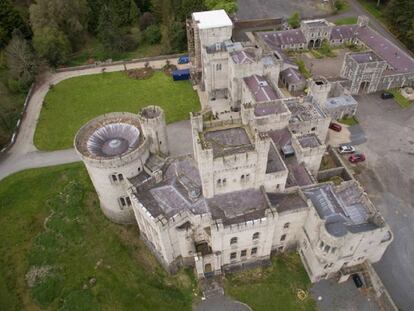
x,y
401,100
272,288
73,102
75,238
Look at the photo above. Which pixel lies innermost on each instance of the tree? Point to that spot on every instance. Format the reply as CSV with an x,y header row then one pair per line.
x,y
294,20
400,15
10,19
52,44
173,37
109,32
152,34
146,20
66,16
134,13
21,59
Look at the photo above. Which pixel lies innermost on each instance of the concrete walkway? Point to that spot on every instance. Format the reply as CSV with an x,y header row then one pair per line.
x,y
24,154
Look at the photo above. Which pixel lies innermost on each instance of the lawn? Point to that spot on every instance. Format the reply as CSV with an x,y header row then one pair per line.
x,y
346,21
58,251
73,102
400,100
274,287
349,121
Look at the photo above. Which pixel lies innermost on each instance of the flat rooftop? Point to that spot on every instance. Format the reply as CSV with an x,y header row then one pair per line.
x,y
344,208
260,88
340,101
212,19
228,141
239,206
309,141
265,109
365,57
286,202
304,111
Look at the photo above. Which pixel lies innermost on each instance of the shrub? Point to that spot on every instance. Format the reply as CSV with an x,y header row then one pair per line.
x,y
152,34
294,20
146,20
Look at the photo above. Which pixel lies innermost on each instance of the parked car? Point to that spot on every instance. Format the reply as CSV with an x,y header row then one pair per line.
x,y
357,157
386,95
335,126
183,59
357,280
343,149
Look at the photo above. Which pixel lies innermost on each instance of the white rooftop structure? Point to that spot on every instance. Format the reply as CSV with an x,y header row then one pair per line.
x,y
212,19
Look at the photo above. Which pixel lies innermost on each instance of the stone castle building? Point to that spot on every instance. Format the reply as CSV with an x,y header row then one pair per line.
x,y
254,185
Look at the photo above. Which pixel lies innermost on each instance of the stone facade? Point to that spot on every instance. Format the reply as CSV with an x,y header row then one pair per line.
x,y
250,189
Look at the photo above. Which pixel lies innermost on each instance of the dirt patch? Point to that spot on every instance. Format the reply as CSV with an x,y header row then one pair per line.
x,y
140,73
168,69
37,274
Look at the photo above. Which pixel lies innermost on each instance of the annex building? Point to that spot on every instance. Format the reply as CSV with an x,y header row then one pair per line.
x,y
254,185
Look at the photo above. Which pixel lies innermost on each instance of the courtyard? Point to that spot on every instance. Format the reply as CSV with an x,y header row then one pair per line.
x,y
73,102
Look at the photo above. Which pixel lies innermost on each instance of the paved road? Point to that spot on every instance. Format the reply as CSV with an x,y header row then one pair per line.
x,y
24,154
388,177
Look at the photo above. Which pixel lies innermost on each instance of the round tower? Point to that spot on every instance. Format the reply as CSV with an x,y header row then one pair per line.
x,y
155,129
113,149
319,89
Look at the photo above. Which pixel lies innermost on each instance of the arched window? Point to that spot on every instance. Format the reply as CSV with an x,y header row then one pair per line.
x,y
286,225
233,240
120,177
256,235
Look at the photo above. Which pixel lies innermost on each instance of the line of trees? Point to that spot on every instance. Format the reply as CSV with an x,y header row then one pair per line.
x,y
400,16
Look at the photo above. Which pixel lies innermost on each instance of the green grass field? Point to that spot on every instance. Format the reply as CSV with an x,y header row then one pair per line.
x,y
272,288
349,121
401,100
73,102
346,21
53,233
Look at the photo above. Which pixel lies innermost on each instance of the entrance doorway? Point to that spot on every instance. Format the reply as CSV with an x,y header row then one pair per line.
x,y
363,87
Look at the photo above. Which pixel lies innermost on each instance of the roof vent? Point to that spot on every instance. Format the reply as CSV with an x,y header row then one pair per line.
x,y
263,83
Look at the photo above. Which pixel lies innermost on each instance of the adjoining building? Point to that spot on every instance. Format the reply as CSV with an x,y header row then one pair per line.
x,y
251,187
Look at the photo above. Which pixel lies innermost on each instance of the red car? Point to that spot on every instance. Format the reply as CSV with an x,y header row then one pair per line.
x,y
355,158
335,126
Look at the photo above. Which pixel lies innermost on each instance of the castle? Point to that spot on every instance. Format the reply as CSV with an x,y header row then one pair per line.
x,y
254,185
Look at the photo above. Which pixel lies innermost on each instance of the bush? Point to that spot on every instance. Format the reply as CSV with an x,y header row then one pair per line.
x,y
152,34
15,86
339,5
146,20
294,20
132,39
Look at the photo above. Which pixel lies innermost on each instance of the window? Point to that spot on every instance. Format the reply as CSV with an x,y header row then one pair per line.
x,y
233,256
224,180
120,177
253,251
283,237
242,177
286,225
114,178
124,201
218,181
255,236
243,253
313,129
139,169
321,245
333,250
327,248
233,241
218,67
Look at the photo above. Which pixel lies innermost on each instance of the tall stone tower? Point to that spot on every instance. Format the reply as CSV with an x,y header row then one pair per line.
x,y
319,89
113,149
155,129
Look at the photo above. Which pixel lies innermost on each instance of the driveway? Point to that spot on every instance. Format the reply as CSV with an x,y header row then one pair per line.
x,y
388,177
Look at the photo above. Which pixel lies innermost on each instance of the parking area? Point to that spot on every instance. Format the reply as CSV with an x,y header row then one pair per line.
x,y
330,295
258,9
388,177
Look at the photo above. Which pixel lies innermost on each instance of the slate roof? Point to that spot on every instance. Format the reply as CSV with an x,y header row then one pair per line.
x,y
260,88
